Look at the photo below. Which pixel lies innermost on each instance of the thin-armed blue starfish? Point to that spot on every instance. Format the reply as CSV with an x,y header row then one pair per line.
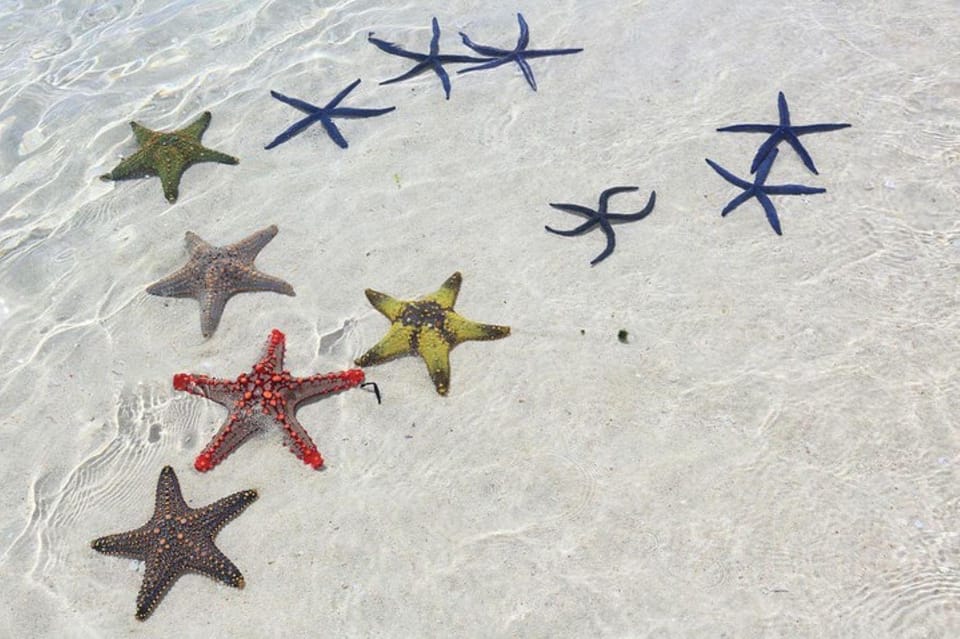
x,y
518,54
604,219
324,115
433,60
782,131
760,190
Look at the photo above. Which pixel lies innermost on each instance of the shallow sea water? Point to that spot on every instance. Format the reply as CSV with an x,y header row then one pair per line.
x,y
773,452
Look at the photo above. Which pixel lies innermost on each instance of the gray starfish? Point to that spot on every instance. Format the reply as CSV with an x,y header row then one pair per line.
x,y
216,273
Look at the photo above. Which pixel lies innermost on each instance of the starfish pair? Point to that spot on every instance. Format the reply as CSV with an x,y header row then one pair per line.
x,y
492,56
764,158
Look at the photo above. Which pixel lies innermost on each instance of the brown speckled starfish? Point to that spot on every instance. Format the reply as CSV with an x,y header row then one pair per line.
x,y
216,273
168,154
429,327
177,539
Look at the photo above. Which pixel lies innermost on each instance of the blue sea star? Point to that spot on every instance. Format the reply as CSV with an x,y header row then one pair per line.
x,y
782,131
601,217
760,190
433,60
518,54
324,115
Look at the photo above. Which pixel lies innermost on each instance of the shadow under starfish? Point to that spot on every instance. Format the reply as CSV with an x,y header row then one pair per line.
x,y
780,132
603,218
760,190
518,54
324,115
433,60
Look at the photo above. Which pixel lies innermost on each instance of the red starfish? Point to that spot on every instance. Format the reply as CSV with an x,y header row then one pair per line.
x,y
266,395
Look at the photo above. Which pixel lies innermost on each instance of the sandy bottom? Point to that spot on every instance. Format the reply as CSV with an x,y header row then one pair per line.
x,y
771,450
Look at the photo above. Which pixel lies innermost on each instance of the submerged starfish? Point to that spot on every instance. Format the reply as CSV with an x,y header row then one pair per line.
x,y
760,190
604,219
432,60
429,327
168,154
782,131
266,396
518,54
324,115
216,273
177,539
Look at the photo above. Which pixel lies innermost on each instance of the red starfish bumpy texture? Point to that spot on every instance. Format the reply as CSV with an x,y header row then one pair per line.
x,y
264,396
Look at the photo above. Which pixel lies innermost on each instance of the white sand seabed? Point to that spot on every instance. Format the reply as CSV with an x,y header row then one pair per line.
x,y
774,452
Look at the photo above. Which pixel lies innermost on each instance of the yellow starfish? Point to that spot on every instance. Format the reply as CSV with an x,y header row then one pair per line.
x,y
429,327
168,154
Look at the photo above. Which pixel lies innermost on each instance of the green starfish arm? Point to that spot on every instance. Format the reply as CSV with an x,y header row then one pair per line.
x,y
203,154
435,352
141,133
136,166
462,329
446,295
390,307
170,174
398,341
195,129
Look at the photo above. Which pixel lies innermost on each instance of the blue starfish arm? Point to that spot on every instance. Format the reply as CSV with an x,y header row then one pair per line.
x,y
771,212
393,49
792,189
435,38
580,230
340,96
333,131
737,201
527,72
490,52
414,70
611,244
794,142
728,176
639,215
486,65
575,208
293,130
819,128
769,147
300,105
783,110
749,128
524,38
608,193
350,112
444,78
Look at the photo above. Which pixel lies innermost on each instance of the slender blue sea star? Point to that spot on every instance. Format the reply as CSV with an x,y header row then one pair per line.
x,y
518,54
324,115
760,190
782,131
433,60
604,219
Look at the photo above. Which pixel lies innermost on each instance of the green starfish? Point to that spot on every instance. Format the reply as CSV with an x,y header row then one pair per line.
x,y
429,327
168,154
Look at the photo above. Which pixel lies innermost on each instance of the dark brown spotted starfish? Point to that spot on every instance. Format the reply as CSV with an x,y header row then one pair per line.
x,y
429,327
168,154
215,273
177,539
